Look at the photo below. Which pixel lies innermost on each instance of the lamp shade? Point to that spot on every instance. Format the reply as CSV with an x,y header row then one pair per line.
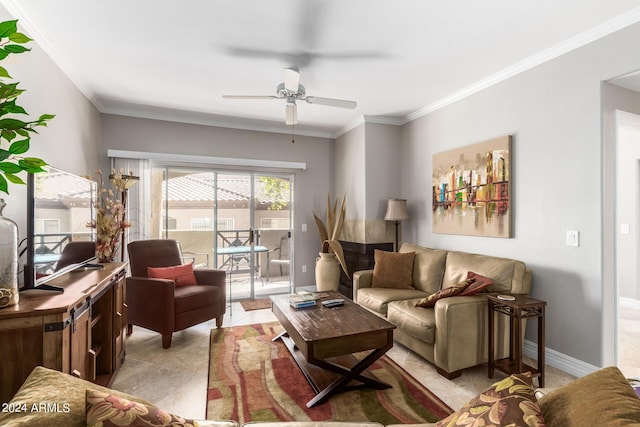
x,y
396,210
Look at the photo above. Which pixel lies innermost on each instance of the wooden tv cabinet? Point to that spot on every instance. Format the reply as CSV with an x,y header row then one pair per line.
x,y
80,332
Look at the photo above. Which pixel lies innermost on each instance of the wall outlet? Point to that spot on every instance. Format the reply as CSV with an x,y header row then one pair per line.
x,y
304,268
573,238
304,228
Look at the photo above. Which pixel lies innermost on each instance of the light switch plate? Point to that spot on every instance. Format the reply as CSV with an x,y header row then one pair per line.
x,y
573,238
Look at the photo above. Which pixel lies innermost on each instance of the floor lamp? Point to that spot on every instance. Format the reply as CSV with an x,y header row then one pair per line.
x,y
124,183
396,212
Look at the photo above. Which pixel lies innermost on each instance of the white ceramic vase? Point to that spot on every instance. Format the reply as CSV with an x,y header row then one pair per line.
x,y
8,260
327,272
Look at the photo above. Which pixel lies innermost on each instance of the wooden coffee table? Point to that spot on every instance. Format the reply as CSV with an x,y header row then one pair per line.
x,y
323,342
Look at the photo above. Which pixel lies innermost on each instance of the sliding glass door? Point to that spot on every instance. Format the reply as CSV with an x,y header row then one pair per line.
x,y
236,221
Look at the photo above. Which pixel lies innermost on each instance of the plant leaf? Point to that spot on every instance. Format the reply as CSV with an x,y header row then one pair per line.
x,y
321,228
32,164
46,117
14,178
4,154
12,124
4,73
340,221
19,147
9,167
7,28
3,185
15,48
19,38
336,248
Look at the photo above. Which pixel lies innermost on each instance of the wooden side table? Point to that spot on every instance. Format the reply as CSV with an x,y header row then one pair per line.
x,y
521,307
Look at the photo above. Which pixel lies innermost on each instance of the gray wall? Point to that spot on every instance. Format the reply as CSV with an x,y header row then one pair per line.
x,y
311,186
553,112
71,140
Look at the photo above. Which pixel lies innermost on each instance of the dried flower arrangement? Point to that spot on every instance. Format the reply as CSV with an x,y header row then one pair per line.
x,y
110,216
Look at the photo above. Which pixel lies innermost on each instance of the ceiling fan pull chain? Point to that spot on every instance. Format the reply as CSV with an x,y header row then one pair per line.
x,y
293,133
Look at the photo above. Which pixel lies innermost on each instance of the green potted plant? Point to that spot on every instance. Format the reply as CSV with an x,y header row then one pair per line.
x,y
15,140
331,254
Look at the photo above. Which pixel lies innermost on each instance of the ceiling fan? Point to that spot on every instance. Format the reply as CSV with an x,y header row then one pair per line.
x,y
291,91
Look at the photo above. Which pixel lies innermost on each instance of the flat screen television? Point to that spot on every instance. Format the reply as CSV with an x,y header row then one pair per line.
x,y
60,205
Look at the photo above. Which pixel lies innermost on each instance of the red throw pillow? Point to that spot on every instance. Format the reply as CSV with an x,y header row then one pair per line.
x,y
451,291
183,275
478,285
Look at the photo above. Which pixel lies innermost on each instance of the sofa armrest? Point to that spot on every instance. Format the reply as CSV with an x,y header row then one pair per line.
x,y
461,339
151,303
361,279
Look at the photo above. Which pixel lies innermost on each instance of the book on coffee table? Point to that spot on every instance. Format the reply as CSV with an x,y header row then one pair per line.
x,y
302,299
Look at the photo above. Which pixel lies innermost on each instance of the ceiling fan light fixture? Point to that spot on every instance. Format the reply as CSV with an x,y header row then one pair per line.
x,y
291,113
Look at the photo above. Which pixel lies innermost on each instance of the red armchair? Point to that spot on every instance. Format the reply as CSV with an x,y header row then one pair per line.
x,y
160,305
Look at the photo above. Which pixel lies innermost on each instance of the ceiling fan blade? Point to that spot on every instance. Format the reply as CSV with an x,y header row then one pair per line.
x,y
291,80
332,102
291,114
249,97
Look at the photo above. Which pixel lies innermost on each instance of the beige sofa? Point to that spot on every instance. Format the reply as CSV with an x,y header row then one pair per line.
x,y
453,334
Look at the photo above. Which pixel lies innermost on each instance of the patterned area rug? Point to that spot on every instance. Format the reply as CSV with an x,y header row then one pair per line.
x,y
256,304
252,378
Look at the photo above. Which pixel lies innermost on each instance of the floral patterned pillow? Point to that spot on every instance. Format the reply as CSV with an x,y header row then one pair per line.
x,y
107,410
510,402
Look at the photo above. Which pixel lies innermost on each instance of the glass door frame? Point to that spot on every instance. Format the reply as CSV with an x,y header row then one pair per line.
x,y
254,232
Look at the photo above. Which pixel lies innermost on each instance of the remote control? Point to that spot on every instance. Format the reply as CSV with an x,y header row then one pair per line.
x,y
333,302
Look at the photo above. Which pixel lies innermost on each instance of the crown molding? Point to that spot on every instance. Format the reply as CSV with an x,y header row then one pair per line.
x,y
573,43
210,119
382,120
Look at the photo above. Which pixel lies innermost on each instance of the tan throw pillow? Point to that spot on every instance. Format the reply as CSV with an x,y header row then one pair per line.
x,y
393,270
602,398
451,291
479,283
510,402
108,410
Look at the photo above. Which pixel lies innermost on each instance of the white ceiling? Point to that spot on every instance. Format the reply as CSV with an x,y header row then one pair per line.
x,y
174,59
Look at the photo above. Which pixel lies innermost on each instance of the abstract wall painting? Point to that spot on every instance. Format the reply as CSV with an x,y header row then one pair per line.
x,y
472,191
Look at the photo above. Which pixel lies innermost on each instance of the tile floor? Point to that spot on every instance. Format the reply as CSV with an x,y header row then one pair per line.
x,y
176,379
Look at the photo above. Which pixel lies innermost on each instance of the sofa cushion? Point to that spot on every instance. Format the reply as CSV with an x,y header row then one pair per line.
x,y
418,322
509,402
105,409
451,291
189,298
602,398
377,299
478,284
393,270
504,272
428,267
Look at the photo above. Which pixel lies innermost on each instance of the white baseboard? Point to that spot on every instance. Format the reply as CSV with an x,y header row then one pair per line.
x,y
629,303
559,360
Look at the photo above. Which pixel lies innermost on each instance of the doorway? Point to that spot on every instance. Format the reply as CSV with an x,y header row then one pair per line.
x,y
627,131
236,221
